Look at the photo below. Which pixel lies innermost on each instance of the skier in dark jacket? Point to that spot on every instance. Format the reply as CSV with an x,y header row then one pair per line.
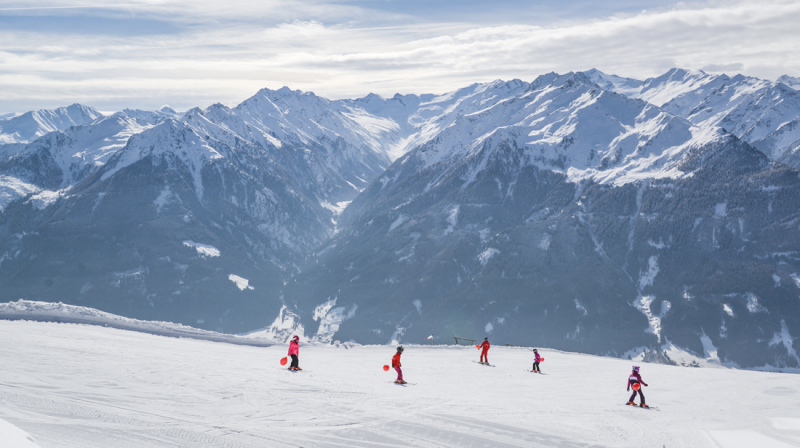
x,y
635,380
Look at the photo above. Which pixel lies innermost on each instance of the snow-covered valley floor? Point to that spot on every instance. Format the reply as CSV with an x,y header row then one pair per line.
x,y
70,385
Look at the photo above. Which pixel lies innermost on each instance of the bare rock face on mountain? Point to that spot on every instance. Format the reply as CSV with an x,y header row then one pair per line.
x,y
570,217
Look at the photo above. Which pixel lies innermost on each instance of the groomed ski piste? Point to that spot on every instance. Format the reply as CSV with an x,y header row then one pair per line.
x,y
79,385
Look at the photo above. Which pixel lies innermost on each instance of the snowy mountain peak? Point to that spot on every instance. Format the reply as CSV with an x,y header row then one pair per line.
x,y
31,125
791,81
168,139
614,83
546,79
165,109
566,123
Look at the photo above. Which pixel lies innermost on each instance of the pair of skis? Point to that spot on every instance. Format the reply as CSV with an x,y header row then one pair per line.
x,y
483,363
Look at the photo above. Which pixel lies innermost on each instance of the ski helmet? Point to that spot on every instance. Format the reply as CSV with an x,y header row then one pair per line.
x,y
400,349
485,339
295,338
636,369
537,351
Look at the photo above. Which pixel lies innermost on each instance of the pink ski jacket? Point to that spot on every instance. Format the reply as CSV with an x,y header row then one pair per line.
x,y
294,348
537,356
635,378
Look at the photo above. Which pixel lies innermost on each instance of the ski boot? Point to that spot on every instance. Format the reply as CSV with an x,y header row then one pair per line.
x,y
643,406
630,403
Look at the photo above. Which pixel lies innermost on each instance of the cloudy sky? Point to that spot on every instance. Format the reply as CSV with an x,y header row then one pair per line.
x,y
145,53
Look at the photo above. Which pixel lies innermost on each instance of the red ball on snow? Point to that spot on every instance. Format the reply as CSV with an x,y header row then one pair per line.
x,y
385,368
284,361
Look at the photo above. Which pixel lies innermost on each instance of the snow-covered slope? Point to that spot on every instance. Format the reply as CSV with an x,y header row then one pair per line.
x,y
14,437
58,312
32,125
87,386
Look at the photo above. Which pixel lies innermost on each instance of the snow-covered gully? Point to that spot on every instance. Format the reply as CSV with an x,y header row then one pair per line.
x,y
68,385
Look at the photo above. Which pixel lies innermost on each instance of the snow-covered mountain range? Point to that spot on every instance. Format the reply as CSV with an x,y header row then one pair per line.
x,y
32,125
765,114
584,211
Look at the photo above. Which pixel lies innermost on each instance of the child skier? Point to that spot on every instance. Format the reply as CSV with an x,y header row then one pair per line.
x,y
294,352
485,352
536,362
633,379
396,365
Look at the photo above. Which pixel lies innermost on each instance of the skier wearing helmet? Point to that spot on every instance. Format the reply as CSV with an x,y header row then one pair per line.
x,y
294,352
396,365
635,381
536,361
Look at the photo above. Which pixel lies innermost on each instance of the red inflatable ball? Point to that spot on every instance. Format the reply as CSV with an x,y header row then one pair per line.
x,y
541,360
284,361
636,386
477,346
386,368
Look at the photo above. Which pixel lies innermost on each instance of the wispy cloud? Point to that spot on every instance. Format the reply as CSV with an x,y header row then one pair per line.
x,y
223,51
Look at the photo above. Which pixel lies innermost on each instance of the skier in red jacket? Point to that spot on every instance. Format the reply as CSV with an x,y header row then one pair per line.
x,y
485,352
634,379
294,352
396,365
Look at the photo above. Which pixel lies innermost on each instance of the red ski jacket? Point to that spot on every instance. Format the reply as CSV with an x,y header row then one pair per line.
x,y
396,360
485,346
294,348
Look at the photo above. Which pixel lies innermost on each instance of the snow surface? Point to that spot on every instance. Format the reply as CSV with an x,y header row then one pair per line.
x,y
14,437
87,386
241,283
59,312
204,250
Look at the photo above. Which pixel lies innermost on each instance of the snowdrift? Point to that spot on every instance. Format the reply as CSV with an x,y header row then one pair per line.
x,y
61,313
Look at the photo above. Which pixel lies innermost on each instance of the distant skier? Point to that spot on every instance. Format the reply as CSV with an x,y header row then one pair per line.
x,y
633,380
536,361
294,352
396,365
485,351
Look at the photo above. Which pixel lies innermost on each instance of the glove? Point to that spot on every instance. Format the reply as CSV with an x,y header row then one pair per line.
x,y
629,389
645,385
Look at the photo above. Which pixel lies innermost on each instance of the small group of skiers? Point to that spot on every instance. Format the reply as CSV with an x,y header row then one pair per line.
x,y
485,346
634,379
